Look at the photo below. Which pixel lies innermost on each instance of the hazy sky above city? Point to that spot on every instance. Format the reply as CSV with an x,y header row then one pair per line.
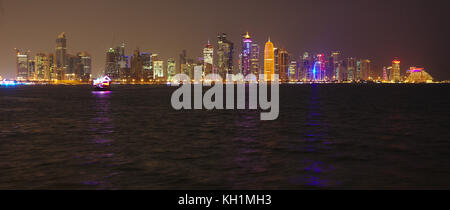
x,y
416,31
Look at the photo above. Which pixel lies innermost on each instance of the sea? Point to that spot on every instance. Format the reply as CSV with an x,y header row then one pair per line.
x,y
327,136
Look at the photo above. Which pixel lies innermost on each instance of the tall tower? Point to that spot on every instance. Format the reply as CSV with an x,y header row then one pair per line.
x,y
225,49
208,58
283,64
269,61
395,72
21,65
254,59
112,66
171,69
245,56
61,55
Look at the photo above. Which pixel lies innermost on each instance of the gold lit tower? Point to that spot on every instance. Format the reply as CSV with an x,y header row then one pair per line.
x,y
269,61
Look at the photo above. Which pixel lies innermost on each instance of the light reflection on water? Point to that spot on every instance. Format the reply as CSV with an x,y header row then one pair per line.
x,y
315,173
102,154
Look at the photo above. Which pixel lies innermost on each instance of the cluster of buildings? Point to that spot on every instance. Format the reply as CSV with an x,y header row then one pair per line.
x,y
55,66
218,58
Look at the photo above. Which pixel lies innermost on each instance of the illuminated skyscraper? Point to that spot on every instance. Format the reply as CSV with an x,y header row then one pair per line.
x,y
183,60
293,71
245,56
366,70
112,67
319,68
395,73
22,65
137,64
148,72
32,69
86,66
283,64
333,63
225,50
269,61
171,69
254,59
158,69
208,58
351,69
305,68
61,56
42,66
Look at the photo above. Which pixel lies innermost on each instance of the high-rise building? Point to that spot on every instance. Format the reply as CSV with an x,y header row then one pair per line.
x,y
51,74
158,69
22,65
245,56
366,70
61,56
183,60
351,69
319,68
225,50
208,58
171,69
333,66
42,66
283,64
86,66
293,71
269,61
137,66
254,59
395,73
112,68
305,65
32,69
148,72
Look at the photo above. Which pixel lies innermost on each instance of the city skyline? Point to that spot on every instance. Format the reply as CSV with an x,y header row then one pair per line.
x,y
416,43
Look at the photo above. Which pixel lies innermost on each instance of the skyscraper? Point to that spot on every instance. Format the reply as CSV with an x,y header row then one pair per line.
x,y
283,64
269,61
171,69
22,65
208,58
351,69
366,70
137,64
158,69
395,73
333,70
225,50
112,68
183,60
293,71
148,72
245,56
254,59
42,66
305,67
61,56
86,65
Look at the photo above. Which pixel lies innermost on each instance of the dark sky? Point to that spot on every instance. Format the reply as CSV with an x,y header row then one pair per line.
x,y
416,31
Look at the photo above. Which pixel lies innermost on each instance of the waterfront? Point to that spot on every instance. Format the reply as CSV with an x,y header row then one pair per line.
x,y
327,136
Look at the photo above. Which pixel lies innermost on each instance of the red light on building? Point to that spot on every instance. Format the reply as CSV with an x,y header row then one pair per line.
x,y
396,61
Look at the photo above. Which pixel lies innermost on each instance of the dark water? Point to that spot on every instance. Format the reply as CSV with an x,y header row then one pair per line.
x,y
327,137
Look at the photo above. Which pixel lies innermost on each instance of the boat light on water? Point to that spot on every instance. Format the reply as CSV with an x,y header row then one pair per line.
x,y
102,83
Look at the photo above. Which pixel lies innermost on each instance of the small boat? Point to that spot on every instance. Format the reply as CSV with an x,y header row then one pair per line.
x,y
102,84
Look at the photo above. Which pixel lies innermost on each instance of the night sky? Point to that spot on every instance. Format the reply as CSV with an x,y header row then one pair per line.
x,y
416,31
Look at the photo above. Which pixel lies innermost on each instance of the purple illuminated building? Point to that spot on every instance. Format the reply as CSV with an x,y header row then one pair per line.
x,y
245,56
